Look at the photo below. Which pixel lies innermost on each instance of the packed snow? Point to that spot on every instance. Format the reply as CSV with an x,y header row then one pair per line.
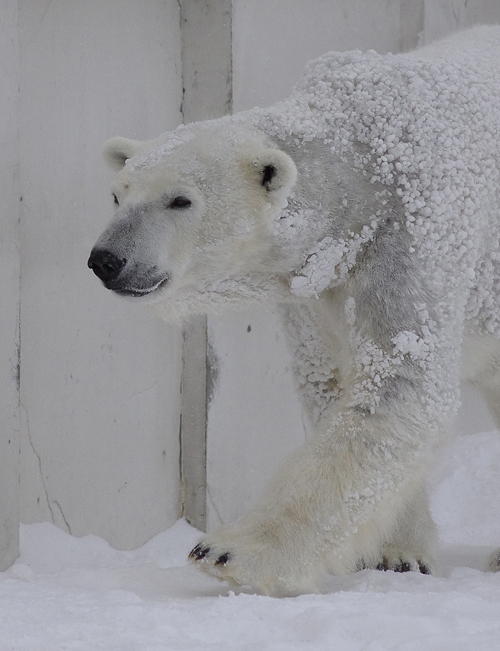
x,y
79,594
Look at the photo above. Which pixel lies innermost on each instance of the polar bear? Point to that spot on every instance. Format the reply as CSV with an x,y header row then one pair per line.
x,y
366,205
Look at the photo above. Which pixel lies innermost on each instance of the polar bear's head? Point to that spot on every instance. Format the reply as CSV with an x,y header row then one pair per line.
x,y
192,209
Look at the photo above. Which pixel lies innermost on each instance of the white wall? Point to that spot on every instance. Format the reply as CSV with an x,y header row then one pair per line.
x,y
100,378
9,287
446,16
274,39
254,419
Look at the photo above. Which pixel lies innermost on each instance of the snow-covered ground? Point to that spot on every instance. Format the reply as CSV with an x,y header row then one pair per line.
x,y
82,595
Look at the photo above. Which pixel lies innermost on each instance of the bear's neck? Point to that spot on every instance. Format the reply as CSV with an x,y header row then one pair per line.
x,y
333,204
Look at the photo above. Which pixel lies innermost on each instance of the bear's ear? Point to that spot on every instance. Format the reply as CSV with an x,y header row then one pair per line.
x,y
275,170
116,151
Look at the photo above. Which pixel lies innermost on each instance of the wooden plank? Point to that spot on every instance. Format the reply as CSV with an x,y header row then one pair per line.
x,y
193,423
207,93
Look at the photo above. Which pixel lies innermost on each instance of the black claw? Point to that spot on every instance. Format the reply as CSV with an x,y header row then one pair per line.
x,y
423,568
402,566
224,559
199,552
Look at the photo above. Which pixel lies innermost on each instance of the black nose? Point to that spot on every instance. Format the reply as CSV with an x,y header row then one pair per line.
x,y
105,265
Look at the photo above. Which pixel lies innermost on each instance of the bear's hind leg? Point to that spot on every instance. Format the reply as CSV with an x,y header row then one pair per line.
x,y
409,547
482,364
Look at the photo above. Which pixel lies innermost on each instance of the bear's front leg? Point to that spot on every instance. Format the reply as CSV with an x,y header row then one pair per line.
x,y
339,499
331,505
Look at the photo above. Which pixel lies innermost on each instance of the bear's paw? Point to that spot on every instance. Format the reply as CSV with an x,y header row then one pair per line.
x,y
259,559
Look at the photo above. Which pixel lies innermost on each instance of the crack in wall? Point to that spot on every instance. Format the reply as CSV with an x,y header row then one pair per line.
x,y
39,462
141,391
214,506
63,516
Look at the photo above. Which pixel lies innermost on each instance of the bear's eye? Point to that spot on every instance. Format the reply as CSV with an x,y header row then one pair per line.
x,y
268,174
115,199
180,202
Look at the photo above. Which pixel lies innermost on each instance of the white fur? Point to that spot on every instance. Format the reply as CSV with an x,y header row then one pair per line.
x,y
377,233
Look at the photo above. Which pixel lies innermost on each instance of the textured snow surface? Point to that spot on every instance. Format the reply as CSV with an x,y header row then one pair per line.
x,y
73,594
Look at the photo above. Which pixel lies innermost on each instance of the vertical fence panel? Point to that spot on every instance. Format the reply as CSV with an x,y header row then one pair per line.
x,y
254,417
207,85
100,377
9,287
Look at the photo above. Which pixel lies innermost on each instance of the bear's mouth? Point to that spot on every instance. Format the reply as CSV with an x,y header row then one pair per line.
x,y
138,292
